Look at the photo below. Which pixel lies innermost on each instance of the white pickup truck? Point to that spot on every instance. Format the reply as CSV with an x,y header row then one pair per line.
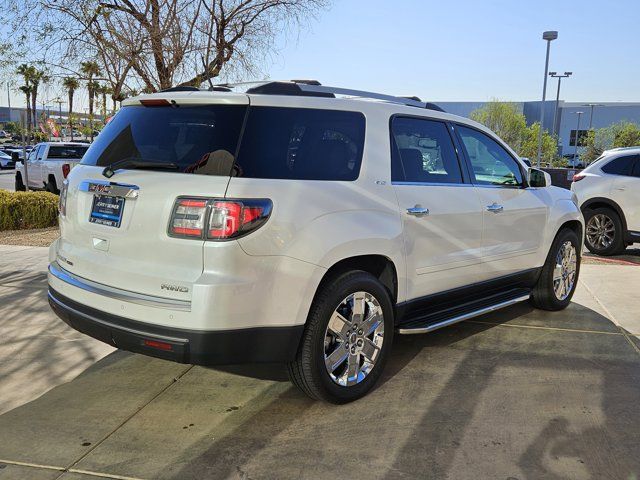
x,y
48,164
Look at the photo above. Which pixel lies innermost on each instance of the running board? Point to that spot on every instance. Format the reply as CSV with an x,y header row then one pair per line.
x,y
424,325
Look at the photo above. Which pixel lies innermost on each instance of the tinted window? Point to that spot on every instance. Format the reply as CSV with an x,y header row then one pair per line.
x,y
67,151
620,165
491,164
304,144
199,139
422,151
636,167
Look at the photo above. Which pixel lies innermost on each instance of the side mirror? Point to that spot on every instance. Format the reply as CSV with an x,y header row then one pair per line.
x,y
15,157
538,178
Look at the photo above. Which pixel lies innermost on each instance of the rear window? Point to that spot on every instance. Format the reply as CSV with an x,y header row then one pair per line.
x,y
620,165
278,143
66,151
200,139
302,144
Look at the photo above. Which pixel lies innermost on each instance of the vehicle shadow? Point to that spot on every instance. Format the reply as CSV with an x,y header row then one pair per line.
x,y
512,394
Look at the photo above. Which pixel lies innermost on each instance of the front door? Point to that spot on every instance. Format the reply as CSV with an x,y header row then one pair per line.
x,y
625,191
33,164
441,214
515,215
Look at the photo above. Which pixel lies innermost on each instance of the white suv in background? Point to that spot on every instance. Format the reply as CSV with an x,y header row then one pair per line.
x,y
280,223
609,195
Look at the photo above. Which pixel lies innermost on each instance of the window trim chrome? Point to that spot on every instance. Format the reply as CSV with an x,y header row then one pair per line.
x,y
116,293
432,184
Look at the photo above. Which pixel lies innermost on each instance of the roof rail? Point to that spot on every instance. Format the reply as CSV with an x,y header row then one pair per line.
x,y
183,88
408,101
314,88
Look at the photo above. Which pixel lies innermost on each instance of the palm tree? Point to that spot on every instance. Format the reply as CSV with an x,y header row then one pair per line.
x,y
26,89
27,72
90,70
103,90
71,84
37,76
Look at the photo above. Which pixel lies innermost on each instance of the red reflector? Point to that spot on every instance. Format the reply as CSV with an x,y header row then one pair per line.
x,y
158,345
155,102
578,176
191,232
193,203
66,168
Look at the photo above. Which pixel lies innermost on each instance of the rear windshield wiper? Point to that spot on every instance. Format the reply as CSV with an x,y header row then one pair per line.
x,y
130,163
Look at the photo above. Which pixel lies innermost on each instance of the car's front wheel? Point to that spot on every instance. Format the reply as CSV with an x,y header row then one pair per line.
x,y
347,339
559,276
604,232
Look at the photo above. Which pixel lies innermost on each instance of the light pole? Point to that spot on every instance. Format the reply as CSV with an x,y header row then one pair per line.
x,y
549,37
59,102
559,77
577,137
592,105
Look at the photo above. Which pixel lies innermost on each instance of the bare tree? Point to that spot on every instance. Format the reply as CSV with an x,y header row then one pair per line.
x,y
156,44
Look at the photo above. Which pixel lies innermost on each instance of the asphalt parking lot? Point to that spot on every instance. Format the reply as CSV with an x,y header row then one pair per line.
x,y
519,394
7,179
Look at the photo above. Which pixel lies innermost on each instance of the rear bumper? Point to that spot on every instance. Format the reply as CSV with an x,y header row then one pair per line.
x,y
251,345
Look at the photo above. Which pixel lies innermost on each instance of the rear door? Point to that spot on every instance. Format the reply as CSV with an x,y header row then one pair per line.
x,y
441,213
515,216
116,230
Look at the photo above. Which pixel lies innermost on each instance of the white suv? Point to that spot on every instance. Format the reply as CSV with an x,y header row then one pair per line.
x,y
284,224
609,195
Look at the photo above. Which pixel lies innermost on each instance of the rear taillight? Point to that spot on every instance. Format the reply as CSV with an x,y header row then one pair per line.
x,y
217,219
62,202
66,168
578,176
188,218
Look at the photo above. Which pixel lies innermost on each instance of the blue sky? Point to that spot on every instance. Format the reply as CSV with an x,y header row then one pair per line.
x,y
461,50
470,50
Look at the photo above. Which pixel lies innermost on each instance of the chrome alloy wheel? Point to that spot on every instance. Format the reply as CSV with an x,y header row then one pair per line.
x,y
353,339
600,231
564,273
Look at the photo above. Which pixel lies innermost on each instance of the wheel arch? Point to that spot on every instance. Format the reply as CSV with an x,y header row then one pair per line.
x,y
574,225
380,266
602,202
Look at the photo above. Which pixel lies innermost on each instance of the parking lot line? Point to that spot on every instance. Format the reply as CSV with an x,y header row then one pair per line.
x,y
34,465
544,328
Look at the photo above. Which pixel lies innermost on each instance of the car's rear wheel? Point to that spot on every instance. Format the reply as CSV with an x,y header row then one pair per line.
x,y
347,339
19,185
559,276
604,234
51,186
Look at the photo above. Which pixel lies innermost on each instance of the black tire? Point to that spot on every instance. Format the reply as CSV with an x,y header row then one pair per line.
x,y
617,246
51,186
543,295
308,371
19,186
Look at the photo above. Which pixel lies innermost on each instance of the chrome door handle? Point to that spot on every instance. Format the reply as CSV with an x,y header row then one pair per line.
x,y
495,208
418,211
622,189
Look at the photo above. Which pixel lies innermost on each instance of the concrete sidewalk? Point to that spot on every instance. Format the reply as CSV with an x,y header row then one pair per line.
x,y
520,393
37,350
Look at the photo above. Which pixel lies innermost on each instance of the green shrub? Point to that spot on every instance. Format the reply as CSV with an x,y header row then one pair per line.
x,y
22,210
